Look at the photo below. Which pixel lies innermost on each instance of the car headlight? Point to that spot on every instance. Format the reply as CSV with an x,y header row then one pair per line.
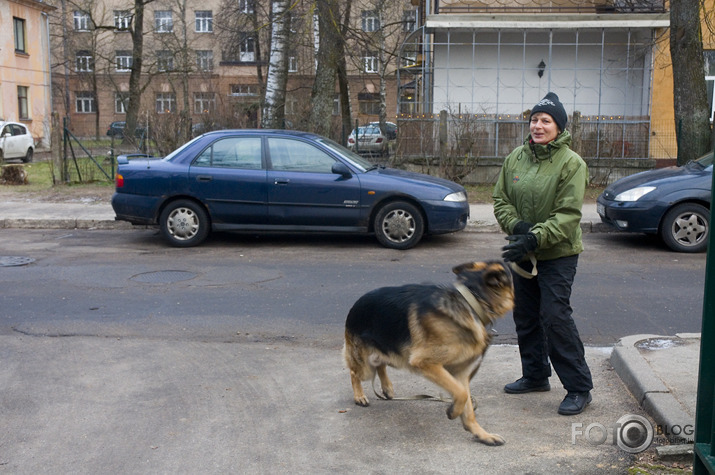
x,y
634,194
456,197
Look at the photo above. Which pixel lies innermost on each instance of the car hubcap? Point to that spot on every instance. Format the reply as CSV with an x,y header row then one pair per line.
x,y
689,229
398,225
183,224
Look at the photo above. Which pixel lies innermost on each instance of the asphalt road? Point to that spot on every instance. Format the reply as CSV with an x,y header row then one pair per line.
x,y
286,288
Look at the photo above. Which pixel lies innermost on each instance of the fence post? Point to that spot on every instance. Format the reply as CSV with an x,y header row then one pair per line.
x,y
443,150
704,423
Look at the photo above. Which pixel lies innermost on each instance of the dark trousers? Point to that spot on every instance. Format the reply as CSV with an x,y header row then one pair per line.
x,y
545,328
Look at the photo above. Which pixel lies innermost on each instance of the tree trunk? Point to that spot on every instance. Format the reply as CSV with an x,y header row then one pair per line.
x,y
273,116
135,90
321,113
692,121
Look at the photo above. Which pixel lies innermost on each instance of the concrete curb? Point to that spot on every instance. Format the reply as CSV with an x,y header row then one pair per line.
x,y
648,389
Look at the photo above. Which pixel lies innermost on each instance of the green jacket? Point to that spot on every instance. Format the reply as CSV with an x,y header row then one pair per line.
x,y
544,185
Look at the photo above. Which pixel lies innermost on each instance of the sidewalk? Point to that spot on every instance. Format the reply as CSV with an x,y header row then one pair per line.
x,y
659,371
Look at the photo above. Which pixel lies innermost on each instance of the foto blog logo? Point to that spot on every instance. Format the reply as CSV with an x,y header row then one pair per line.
x,y
631,433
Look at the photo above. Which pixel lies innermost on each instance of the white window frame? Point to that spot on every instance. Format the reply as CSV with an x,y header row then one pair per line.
x,y
123,61
163,21
121,102
246,6
165,102
247,50
370,21
85,102
409,20
23,102
84,62
81,21
243,90
122,19
370,64
204,102
204,21
205,60
292,64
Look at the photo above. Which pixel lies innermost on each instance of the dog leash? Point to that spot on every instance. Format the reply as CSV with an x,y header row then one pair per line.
x,y
421,397
520,270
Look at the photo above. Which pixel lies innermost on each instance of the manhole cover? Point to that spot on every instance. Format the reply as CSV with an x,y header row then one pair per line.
x,y
164,276
10,261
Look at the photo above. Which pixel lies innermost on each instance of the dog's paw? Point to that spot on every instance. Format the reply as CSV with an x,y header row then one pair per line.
x,y
491,439
362,401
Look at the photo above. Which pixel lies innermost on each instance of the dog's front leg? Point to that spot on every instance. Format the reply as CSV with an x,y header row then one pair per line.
x,y
443,378
470,424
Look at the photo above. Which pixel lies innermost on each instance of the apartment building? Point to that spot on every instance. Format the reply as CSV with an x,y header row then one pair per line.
x,y
25,94
210,61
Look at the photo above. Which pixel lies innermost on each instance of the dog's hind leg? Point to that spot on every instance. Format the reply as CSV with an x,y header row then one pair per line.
x,y
360,369
385,383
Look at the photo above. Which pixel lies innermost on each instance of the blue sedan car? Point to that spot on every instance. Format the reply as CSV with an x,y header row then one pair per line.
x,y
672,202
277,180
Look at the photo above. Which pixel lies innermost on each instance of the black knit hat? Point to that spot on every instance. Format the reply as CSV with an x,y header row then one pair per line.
x,y
552,106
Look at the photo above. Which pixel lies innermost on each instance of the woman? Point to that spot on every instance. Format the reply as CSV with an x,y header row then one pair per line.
x,y
537,201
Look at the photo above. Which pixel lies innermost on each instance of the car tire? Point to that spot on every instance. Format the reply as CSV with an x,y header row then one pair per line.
x,y
184,223
28,156
399,225
686,227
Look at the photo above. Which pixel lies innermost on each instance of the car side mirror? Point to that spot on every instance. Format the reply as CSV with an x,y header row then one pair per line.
x,y
6,135
341,169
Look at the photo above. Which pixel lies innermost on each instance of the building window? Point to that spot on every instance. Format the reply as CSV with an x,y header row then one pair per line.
x,y
248,48
165,103
204,21
369,103
710,80
121,101
204,102
244,90
164,61
19,26
370,21
81,21
123,61
163,22
205,60
23,111
122,19
246,6
370,64
409,20
292,64
84,62
85,103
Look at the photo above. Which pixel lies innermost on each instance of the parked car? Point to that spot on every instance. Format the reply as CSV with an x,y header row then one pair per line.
x,y
116,129
281,180
16,142
672,202
390,129
370,140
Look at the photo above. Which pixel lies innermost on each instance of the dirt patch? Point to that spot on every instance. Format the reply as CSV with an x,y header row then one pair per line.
x,y
60,194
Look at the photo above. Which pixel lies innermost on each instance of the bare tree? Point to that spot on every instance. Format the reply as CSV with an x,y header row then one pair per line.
x,y
328,57
692,119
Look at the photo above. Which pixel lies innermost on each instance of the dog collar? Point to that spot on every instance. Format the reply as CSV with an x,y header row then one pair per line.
x,y
473,302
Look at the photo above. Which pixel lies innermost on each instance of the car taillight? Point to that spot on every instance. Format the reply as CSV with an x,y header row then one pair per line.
x,y
379,140
351,140
119,180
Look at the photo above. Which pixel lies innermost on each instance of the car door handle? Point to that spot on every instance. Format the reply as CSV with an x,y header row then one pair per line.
x,y
281,181
204,178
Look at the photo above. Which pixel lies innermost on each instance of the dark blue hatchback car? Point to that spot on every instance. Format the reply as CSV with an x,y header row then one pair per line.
x,y
672,202
277,180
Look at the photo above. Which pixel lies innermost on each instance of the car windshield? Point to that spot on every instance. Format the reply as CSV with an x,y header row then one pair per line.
x,y
705,161
356,160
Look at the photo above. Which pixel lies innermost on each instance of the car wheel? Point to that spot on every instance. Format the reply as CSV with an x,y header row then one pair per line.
x,y
184,223
685,228
28,157
399,225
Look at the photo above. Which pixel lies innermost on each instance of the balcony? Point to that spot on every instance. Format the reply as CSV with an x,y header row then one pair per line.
x,y
461,7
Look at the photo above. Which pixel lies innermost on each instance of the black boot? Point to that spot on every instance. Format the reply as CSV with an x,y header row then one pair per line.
x,y
526,385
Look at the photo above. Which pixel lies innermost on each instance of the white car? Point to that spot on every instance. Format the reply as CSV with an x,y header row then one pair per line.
x,y
16,142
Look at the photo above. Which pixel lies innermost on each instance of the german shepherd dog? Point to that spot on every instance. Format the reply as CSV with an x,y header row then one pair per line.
x,y
437,331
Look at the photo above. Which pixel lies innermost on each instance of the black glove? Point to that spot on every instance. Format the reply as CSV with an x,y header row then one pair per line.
x,y
522,227
521,245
